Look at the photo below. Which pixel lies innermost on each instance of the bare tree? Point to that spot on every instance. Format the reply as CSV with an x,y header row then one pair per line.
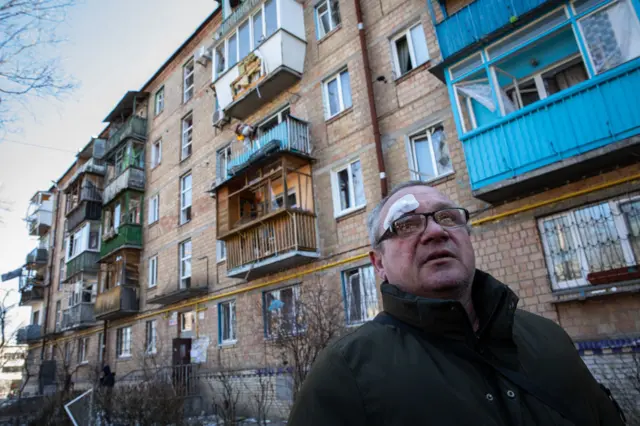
x,y
27,66
298,334
226,393
5,309
5,206
261,396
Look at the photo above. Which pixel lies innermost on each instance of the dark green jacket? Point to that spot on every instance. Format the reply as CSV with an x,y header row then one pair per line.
x,y
385,375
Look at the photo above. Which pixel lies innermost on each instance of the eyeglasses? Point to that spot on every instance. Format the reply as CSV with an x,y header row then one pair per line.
x,y
416,223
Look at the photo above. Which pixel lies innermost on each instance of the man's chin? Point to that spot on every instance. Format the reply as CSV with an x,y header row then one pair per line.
x,y
443,280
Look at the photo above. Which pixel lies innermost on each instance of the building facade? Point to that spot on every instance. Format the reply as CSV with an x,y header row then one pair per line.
x,y
239,177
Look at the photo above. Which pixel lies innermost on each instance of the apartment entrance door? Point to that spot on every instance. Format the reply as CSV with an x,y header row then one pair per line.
x,y
182,370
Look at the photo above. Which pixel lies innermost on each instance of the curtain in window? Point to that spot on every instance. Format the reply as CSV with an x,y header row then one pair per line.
x,y
334,100
631,212
599,238
345,82
404,58
441,152
358,185
335,12
355,298
612,36
423,158
481,93
562,249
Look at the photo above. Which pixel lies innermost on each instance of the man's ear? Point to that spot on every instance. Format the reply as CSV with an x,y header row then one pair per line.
x,y
376,261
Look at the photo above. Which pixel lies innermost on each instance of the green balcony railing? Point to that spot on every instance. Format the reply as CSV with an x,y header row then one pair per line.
x,y
84,262
127,235
134,127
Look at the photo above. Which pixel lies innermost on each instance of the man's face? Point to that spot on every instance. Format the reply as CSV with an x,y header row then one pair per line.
x,y
437,263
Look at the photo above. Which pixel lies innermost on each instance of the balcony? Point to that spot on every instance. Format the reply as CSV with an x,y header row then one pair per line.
x,y
131,178
37,257
91,166
182,292
270,69
134,128
29,334
85,262
483,18
30,295
78,316
117,302
292,135
126,236
279,241
590,126
90,210
40,222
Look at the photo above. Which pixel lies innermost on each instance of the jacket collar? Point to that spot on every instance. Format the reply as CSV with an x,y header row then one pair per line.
x,y
494,303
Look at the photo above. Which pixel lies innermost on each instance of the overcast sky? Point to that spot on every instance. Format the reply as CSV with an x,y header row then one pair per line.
x,y
113,46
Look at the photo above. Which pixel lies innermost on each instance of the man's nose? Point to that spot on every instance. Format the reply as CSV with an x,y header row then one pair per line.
x,y
433,231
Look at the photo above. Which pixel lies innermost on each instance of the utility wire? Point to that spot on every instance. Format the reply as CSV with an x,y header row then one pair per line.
x,y
39,146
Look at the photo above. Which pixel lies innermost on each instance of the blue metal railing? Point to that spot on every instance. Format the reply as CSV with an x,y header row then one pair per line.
x,y
590,115
290,135
477,20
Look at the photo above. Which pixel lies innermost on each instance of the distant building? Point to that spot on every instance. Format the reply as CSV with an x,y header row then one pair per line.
x,y
12,359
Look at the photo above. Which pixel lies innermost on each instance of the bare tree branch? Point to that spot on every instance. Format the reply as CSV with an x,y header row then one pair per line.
x,y
28,65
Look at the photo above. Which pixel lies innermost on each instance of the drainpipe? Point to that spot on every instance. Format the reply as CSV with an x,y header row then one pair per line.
x,y
372,104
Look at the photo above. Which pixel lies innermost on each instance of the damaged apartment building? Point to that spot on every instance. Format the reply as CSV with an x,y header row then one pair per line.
x,y
239,177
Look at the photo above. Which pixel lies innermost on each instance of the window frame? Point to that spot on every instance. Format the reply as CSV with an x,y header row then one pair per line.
x,y
123,342
185,280
183,316
412,52
325,94
186,212
346,277
320,33
101,346
153,215
296,299
186,137
335,189
156,153
221,247
413,157
621,227
83,349
223,156
231,306
152,272
158,104
151,337
188,91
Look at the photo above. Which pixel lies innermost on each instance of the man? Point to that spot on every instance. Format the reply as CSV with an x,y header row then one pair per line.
x,y
450,347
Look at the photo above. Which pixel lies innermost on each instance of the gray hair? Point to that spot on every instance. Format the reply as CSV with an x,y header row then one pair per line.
x,y
373,220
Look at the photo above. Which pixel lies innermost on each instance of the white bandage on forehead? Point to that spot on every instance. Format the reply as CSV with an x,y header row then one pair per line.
x,y
406,204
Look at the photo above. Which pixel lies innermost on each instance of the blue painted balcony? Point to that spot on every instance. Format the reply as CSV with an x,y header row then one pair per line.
x,y
480,19
590,126
291,135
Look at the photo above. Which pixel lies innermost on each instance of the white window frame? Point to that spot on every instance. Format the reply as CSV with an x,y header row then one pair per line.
x,y
412,53
156,153
296,300
159,101
362,272
152,278
428,132
183,321
184,258
151,337
123,342
221,251
621,228
154,209
231,305
223,156
236,33
325,94
188,90
335,189
186,212
83,348
186,137
332,25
